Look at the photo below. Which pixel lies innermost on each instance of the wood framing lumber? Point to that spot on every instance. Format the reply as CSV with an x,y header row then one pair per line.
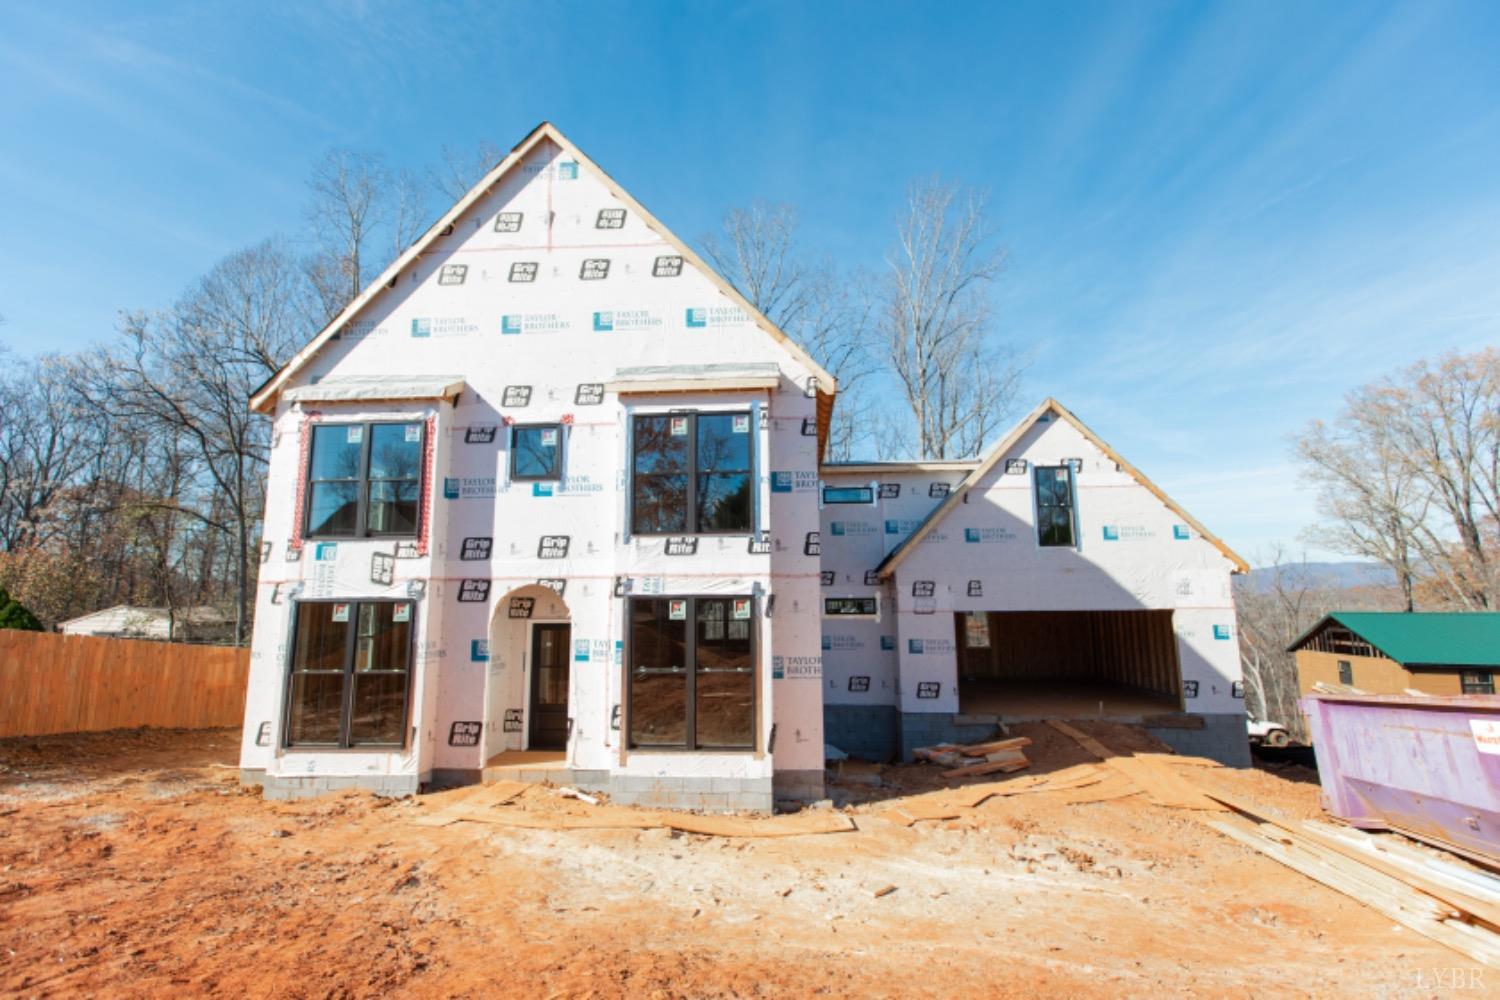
x,y
995,746
1083,739
988,767
1467,895
1163,786
459,805
1114,787
1392,898
1479,897
606,818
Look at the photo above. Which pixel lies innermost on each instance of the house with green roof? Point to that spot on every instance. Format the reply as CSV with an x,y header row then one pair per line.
x,y
1393,652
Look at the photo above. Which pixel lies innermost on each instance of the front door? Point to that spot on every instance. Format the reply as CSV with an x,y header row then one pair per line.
x,y
549,687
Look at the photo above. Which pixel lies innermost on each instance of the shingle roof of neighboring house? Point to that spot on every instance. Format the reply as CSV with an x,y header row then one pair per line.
x,y
1422,638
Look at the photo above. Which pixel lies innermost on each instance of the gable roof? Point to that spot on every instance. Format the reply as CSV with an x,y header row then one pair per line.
x,y
1049,405
265,397
1422,638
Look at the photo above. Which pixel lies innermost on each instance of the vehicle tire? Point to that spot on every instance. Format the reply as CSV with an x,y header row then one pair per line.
x,y
1277,738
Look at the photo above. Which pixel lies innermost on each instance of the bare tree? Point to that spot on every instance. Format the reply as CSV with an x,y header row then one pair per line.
x,y
462,169
936,322
47,440
187,374
1274,606
348,207
757,250
410,213
1409,473
1374,504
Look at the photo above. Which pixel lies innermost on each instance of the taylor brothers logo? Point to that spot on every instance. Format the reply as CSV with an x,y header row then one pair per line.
x,y
442,326
519,323
625,320
703,317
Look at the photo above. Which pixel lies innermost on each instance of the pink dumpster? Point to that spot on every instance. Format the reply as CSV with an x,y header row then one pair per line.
x,y
1428,767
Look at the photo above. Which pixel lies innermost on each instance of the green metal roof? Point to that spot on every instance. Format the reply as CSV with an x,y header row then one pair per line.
x,y
1417,638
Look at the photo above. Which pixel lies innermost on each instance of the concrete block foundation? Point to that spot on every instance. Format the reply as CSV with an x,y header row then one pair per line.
x,y
1223,738
869,732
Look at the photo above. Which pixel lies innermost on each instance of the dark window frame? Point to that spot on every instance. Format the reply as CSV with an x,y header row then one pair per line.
x,y
348,673
689,742
873,604
364,482
1071,506
554,474
693,515
1476,682
867,495
1346,673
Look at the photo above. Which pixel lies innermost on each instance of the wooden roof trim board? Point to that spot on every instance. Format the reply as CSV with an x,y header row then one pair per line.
x,y
265,396
955,497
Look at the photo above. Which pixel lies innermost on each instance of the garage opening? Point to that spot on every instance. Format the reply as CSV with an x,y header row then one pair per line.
x,y
1068,664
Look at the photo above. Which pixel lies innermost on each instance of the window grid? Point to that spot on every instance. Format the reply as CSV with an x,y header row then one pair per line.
x,y
1056,524
371,490
715,637
691,477
365,660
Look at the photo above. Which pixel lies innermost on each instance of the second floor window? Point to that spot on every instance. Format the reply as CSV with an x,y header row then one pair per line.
x,y
1054,506
691,473
536,452
364,479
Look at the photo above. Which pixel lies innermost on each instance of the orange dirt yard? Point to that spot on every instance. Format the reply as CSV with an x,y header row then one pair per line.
x,y
133,865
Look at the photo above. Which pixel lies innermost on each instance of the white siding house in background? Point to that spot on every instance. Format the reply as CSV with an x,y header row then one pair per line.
x,y
129,621
551,485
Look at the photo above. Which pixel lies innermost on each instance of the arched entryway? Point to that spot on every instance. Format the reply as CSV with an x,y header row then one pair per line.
x,y
529,685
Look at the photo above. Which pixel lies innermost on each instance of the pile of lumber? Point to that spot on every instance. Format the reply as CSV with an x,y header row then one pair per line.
x,y
994,757
1450,903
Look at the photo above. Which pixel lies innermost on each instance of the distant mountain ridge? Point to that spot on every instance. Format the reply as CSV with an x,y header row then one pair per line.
x,y
1322,575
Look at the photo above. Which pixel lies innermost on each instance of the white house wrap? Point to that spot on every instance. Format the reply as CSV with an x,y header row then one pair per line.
x,y
551,482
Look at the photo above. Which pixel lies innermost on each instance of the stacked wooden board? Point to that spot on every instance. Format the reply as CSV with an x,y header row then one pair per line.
x,y
1451,903
994,757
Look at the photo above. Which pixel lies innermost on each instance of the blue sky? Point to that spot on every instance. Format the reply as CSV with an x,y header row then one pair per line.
x,y
1219,217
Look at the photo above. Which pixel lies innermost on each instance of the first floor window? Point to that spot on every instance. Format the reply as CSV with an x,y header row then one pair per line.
x,y
364,479
1476,681
691,473
1054,505
692,673
849,494
851,607
350,672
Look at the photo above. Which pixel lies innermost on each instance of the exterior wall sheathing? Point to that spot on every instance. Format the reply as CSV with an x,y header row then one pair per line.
x,y
1132,553
595,299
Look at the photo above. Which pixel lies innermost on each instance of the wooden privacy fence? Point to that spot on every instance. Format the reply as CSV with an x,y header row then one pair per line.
x,y
52,683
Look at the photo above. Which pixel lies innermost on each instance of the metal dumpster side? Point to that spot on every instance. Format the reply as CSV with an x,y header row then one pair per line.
x,y
1426,766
